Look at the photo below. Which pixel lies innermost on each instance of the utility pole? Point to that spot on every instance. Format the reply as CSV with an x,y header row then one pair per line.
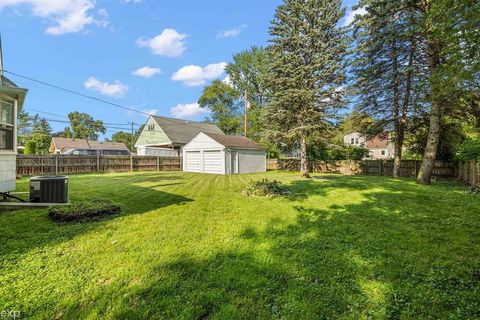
x,y
132,134
245,127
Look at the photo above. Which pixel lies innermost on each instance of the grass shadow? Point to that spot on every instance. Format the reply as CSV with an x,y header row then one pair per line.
x,y
27,229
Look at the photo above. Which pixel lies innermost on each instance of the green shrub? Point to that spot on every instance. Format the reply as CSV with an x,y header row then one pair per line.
x,y
83,211
265,188
468,150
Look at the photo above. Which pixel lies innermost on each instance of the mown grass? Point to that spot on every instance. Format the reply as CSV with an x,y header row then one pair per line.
x,y
191,246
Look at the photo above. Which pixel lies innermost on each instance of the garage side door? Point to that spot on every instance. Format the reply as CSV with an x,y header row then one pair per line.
x,y
212,161
193,161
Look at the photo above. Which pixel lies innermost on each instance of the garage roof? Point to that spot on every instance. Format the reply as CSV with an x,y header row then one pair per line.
x,y
235,141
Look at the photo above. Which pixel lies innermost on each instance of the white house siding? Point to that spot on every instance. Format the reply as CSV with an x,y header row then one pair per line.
x,y
7,172
377,153
358,139
251,161
157,152
203,142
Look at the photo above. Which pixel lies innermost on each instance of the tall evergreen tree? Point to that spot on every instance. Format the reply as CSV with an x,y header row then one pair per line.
x,y
452,37
388,67
306,71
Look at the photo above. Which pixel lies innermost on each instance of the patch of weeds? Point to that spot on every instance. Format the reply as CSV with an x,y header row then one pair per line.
x,y
265,188
83,211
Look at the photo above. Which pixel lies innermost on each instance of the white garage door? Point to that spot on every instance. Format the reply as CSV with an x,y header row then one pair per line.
x,y
212,161
193,161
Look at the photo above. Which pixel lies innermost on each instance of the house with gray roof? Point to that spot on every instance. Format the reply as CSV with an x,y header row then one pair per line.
x,y
163,134
72,146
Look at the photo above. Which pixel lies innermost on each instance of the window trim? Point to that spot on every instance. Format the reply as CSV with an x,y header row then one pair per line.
x,y
14,102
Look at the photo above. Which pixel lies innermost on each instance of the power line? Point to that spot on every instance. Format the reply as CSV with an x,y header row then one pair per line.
x,y
177,121
65,121
66,117
77,93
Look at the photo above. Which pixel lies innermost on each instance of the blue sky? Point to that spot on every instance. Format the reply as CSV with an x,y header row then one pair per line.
x,y
153,56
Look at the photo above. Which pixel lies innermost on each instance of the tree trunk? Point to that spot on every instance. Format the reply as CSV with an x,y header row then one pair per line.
x,y
397,161
400,134
425,172
396,116
303,156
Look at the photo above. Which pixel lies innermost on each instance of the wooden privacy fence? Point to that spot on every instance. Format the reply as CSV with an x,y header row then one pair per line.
x,y
408,168
30,165
469,172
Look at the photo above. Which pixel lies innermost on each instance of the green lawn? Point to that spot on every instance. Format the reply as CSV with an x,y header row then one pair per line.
x,y
191,246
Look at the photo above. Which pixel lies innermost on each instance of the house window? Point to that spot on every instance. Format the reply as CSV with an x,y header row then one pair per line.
x,y
356,140
352,141
7,122
151,127
382,152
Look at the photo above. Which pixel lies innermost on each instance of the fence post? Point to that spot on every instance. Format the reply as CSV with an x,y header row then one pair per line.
x,y
131,163
474,172
56,165
98,162
381,167
158,163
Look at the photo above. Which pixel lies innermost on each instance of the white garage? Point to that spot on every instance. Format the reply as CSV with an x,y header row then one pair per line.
x,y
221,154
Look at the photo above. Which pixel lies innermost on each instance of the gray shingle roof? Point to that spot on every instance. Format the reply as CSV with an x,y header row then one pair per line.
x,y
71,143
182,131
107,145
235,141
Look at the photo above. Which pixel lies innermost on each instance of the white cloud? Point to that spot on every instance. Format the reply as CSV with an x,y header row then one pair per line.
x,y
227,80
232,33
116,90
146,72
188,110
193,75
67,16
351,15
151,112
169,43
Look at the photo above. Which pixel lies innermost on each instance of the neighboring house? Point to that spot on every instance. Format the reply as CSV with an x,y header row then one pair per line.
x,y
72,146
11,100
221,154
379,147
354,139
162,132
